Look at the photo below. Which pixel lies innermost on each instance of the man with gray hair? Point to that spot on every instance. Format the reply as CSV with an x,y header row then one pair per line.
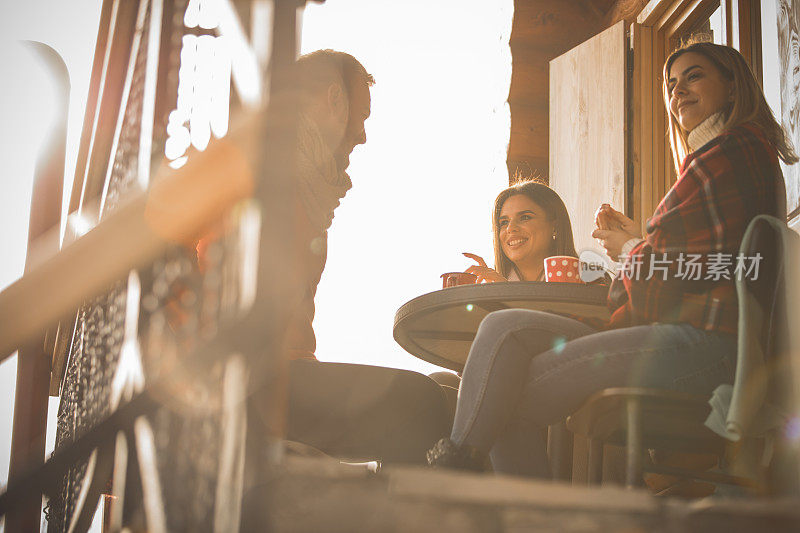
x,y
346,410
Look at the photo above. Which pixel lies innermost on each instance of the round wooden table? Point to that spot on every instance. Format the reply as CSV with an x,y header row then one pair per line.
x,y
439,327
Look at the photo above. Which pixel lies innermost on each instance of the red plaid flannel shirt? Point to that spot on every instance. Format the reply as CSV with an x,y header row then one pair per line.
x,y
721,188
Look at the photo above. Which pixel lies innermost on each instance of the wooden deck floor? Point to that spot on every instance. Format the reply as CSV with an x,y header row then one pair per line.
x,y
312,494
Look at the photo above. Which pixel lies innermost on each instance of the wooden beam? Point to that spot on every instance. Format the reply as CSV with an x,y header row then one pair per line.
x,y
651,12
727,21
180,205
529,74
94,155
29,427
542,30
529,130
551,24
597,10
696,11
604,6
663,157
642,138
749,30
626,10
756,39
100,65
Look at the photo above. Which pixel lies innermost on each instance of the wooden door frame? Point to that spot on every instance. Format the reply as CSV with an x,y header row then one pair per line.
x,y
653,36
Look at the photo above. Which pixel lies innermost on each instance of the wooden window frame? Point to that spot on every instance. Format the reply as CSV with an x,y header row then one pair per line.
x,y
654,35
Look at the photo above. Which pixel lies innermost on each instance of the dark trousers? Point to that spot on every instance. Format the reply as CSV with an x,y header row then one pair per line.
x,y
362,412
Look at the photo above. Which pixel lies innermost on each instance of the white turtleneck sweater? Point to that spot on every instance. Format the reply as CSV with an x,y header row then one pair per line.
x,y
705,131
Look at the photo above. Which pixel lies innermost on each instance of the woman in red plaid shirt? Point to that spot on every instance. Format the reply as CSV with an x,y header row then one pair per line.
x,y
674,308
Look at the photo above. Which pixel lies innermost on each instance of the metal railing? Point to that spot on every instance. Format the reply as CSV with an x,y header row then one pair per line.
x,y
247,171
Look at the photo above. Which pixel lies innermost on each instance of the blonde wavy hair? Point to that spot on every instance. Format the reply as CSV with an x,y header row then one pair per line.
x,y
749,104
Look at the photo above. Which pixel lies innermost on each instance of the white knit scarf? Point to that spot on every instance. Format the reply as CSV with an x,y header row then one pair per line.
x,y
705,131
320,184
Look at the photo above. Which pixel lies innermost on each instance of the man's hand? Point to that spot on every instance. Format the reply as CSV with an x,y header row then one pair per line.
x,y
613,230
483,272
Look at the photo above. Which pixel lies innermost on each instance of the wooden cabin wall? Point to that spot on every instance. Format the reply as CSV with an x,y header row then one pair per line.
x,y
541,31
626,10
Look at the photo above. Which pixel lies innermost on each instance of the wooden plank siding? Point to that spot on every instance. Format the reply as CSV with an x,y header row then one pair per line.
x,y
543,30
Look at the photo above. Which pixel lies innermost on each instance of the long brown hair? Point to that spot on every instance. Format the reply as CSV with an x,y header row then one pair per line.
x,y
556,212
749,104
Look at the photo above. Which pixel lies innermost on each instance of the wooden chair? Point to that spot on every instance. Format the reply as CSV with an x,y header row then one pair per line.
x,y
640,419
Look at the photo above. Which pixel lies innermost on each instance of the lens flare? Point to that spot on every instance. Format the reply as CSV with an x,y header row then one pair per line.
x,y
559,343
793,430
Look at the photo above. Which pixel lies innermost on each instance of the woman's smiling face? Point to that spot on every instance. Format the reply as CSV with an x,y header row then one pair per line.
x,y
525,230
697,89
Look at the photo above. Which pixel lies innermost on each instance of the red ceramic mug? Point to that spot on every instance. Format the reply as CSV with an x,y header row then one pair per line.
x,y
451,279
562,269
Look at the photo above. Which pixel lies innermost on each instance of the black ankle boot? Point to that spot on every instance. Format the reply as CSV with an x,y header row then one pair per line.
x,y
446,454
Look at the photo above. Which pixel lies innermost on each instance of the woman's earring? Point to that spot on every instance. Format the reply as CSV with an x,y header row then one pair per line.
x,y
554,236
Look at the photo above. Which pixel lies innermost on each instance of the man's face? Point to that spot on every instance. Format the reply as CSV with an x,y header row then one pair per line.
x,y
354,133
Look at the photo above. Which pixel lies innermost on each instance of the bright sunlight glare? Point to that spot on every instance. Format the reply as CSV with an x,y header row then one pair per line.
x,y
435,158
424,183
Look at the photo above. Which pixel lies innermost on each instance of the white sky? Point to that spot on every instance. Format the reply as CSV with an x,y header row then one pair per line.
x,y
425,181
423,185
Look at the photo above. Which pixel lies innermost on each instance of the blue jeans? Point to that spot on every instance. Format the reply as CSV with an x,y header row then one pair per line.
x,y
528,369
